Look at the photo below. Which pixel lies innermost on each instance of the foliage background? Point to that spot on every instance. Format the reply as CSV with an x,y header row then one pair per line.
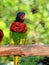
x,y
37,23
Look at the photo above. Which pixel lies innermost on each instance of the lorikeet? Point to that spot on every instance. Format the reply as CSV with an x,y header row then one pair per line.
x,y
18,30
1,35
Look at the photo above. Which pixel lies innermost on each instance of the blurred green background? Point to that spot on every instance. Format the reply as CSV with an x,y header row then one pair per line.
x,y
37,20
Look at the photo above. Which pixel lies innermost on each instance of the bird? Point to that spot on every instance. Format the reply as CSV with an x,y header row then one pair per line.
x,y
1,35
17,31
18,28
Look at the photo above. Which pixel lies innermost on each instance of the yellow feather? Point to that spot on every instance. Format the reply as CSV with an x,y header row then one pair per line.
x,y
12,41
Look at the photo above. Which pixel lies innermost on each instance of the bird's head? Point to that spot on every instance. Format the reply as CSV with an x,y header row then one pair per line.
x,y
20,17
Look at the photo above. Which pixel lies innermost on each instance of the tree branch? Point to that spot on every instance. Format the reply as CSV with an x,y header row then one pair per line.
x,y
24,50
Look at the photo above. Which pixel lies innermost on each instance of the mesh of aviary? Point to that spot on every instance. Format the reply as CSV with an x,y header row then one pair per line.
x,y
37,21
44,61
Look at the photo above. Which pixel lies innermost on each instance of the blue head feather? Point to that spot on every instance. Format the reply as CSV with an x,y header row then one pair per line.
x,y
18,18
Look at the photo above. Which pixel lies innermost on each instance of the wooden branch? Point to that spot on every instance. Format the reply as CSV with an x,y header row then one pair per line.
x,y
24,50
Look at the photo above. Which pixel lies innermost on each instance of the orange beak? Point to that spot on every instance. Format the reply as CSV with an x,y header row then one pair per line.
x,y
23,17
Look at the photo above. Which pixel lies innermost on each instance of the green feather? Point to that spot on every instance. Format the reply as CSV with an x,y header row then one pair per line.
x,y
17,36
